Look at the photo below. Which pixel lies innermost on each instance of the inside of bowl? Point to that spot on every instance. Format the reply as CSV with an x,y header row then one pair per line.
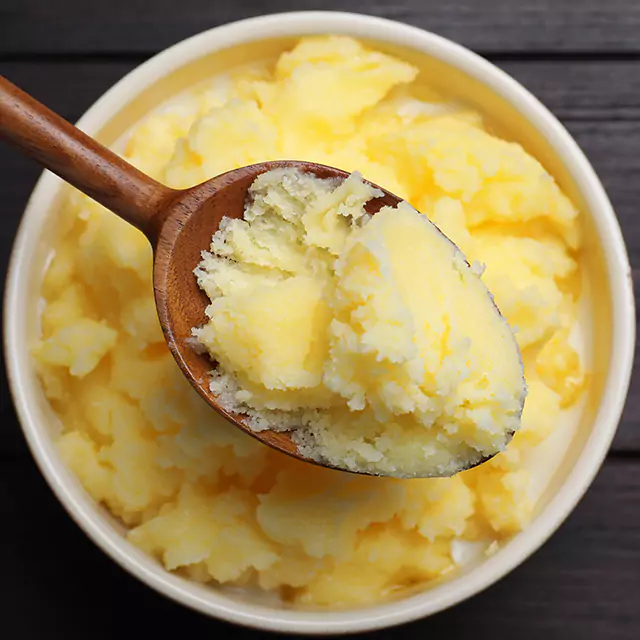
x,y
506,120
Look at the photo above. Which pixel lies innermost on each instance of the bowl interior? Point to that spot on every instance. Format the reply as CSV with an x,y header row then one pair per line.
x,y
110,127
503,118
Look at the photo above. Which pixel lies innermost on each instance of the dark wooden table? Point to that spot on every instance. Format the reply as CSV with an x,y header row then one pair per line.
x,y
582,58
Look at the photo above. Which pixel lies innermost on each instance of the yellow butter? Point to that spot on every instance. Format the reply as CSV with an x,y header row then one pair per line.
x,y
390,358
212,502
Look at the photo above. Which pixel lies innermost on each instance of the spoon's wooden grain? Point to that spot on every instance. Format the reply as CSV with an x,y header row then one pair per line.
x,y
178,223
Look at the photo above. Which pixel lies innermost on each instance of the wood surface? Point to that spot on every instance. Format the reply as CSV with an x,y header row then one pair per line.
x,y
490,26
582,58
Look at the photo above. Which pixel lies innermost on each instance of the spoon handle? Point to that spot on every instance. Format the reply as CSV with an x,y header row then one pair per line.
x,y
78,159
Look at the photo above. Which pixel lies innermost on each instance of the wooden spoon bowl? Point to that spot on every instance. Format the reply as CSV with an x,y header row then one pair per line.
x,y
178,223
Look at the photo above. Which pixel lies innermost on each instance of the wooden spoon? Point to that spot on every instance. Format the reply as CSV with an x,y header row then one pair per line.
x,y
178,223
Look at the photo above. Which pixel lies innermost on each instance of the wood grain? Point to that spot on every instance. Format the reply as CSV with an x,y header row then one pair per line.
x,y
612,147
523,26
591,90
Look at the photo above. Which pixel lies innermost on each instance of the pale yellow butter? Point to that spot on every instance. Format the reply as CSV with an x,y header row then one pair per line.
x,y
209,501
370,337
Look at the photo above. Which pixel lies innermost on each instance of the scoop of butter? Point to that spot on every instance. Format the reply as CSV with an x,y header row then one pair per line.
x,y
369,337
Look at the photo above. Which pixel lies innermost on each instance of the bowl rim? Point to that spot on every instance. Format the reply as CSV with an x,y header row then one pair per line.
x,y
437,598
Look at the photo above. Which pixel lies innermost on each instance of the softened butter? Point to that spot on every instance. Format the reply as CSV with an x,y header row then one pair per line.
x,y
370,337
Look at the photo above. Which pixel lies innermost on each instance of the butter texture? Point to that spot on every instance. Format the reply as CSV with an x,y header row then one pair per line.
x,y
370,337
209,501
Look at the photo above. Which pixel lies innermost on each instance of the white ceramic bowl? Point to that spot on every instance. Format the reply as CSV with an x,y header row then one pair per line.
x,y
524,119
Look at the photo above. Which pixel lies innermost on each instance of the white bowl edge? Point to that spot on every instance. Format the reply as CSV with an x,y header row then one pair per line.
x,y
213,603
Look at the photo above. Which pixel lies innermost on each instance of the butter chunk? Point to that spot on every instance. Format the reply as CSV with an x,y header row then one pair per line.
x,y
273,335
78,346
370,337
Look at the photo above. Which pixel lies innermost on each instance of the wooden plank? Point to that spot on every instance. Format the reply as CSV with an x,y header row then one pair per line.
x,y
582,89
612,148
582,584
74,26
